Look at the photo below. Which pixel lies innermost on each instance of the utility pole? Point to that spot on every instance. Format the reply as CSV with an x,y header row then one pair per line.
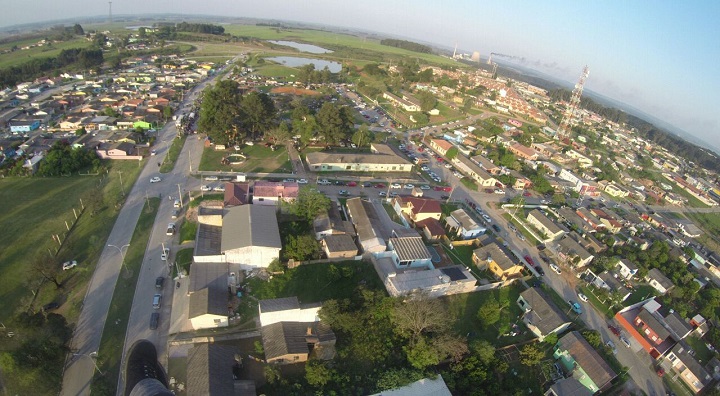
x,y
122,189
180,195
190,160
122,253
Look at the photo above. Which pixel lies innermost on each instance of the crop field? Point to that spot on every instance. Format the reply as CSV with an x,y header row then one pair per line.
x,y
21,56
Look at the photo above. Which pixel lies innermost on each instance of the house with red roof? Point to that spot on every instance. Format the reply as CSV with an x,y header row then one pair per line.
x,y
417,209
270,193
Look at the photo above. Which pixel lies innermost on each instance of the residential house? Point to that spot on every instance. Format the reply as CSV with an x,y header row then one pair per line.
x,y
609,282
211,370
487,165
250,236
431,228
407,102
410,251
470,169
367,224
339,246
568,387
546,226
541,315
688,368
462,225
570,250
627,268
236,194
293,342
118,151
23,126
653,330
440,146
499,261
580,361
381,159
523,152
659,281
430,282
589,218
271,193
616,191
417,209
331,223
208,302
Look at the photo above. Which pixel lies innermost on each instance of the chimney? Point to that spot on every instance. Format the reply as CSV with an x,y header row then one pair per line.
x,y
309,331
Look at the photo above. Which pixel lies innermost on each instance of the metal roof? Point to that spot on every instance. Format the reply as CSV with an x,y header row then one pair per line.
x,y
210,369
410,248
545,315
250,225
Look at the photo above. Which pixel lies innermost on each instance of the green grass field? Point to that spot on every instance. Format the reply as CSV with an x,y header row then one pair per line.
x,y
260,159
37,208
113,337
21,56
173,153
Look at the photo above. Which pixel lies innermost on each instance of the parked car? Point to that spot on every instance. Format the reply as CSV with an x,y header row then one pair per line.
x,y
382,194
154,320
220,188
444,197
582,297
176,204
165,254
170,229
487,218
211,178
159,282
155,179
69,264
157,299
50,306
424,187
555,268
575,307
380,185
614,330
352,184
409,186
367,184
343,193
496,228
302,181
324,182
396,185
175,213
625,341
288,180
611,345
205,187
393,194
529,260
539,270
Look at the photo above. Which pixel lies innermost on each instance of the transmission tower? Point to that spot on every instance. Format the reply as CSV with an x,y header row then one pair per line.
x,y
563,131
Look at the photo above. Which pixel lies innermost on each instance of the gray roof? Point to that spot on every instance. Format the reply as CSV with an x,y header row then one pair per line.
x,y
284,338
545,315
203,275
279,304
653,323
210,300
497,254
569,387
464,219
210,369
570,247
250,225
586,357
410,248
480,172
679,327
340,243
681,350
545,221
363,216
208,240
660,278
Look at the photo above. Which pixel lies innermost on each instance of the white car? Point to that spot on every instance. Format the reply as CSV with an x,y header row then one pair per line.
x,y
409,186
499,191
448,166
165,254
424,187
211,178
382,193
302,181
396,185
324,182
69,264
487,218
206,188
555,268
155,179
220,188
582,297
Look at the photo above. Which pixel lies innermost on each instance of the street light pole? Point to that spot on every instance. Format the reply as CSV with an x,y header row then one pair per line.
x,y
180,195
121,184
92,356
122,253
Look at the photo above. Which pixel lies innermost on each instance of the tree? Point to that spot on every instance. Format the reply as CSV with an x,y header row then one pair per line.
x,y
306,128
167,113
317,374
278,134
489,312
220,112
451,153
421,355
593,338
78,30
258,111
48,268
558,199
419,316
525,139
142,32
301,247
334,123
427,100
80,131
362,136
467,105
551,339
484,350
531,355
309,204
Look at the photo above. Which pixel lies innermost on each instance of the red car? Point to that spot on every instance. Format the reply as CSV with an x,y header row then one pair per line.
x,y
526,194
614,330
530,260
352,184
379,185
446,189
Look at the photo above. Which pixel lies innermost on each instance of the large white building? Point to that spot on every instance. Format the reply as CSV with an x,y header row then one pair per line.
x,y
381,159
250,236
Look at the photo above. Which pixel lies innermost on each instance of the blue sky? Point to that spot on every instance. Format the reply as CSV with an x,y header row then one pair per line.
x,y
659,56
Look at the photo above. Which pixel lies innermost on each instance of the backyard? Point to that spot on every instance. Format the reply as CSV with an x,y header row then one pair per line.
x,y
260,159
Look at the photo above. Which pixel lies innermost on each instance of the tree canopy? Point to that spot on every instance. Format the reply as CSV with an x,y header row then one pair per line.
x,y
334,122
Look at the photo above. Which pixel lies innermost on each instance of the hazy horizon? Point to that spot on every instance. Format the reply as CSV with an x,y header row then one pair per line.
x,y
657,57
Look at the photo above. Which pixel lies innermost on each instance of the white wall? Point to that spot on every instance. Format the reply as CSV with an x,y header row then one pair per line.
x,y
253,256
207,321
290,315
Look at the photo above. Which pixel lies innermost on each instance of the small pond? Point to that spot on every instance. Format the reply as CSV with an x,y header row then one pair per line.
x,y
293,61
313,49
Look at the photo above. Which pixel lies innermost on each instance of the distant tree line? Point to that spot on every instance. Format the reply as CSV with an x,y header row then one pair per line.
x,y
309,75
169,31
647,130
408,45
71,58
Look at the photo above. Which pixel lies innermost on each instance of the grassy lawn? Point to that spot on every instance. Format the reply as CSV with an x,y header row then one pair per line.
x,y
260,159
312,283
640,293
206,197
183,258
188,230
22,56
702,353
710,223
271,69
462,255
586,290
467,182
448,208
391,212
44,205
173,153
464,308
113,336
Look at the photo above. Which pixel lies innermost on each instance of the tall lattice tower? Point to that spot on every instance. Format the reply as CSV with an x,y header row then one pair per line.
x,y
563,131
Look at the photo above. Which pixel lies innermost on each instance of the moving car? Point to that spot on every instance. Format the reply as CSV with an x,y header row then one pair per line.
x,y
69,264
575,307
165,254
176,204
555,268
155,179
175,213
496,228
611,345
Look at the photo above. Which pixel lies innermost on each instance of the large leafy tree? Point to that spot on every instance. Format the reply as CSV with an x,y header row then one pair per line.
x,y
334,122
309,204
427,100
220,112
258,111
362,136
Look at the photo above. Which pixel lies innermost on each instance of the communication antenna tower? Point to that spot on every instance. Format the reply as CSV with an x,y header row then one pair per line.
x,y
563,131
455,51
